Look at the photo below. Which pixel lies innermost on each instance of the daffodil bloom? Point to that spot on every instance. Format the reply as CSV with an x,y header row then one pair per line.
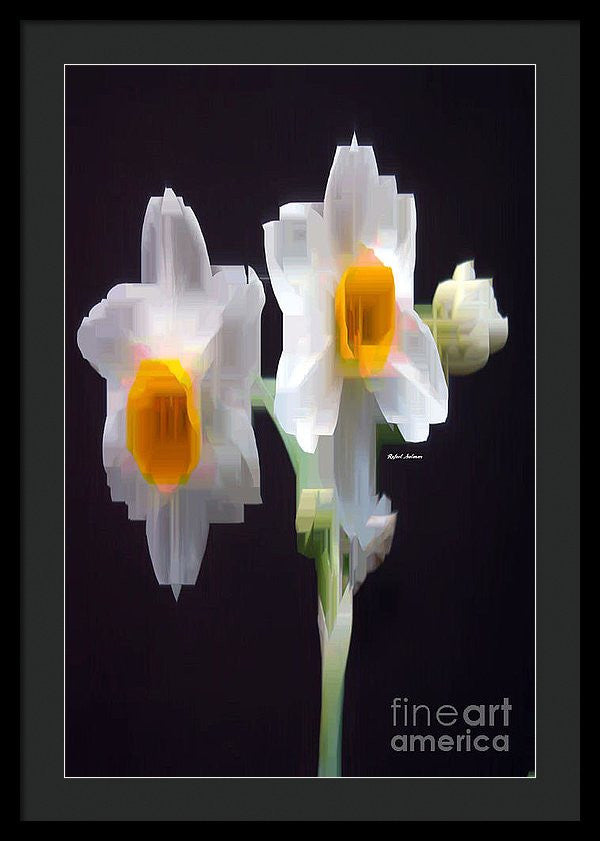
x,y
180,352
355,352
342,272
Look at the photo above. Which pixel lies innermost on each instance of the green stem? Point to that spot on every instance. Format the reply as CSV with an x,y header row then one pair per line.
x,y
334,649
319,538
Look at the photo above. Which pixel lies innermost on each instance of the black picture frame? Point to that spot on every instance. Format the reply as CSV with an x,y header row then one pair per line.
x,y
46,46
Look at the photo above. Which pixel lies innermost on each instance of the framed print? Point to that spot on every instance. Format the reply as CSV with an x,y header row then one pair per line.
x,y
302,313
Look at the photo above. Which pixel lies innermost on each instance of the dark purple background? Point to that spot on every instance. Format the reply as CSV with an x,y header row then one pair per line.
x,y
227,681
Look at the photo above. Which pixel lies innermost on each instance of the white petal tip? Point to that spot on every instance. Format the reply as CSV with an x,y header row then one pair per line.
x,y
464,271
252,276
176,588
354,143
170,203
307,440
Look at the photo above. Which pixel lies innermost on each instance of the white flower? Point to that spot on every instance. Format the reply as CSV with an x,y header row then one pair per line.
x,y
342,272
466,320
355,353
179,352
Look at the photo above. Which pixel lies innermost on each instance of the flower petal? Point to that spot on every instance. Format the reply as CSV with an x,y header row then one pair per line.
x,y
382,527
307,395
350,211
177,530
402,254
238,349
234,444
413,393
354,459
288,298
298,257
174,253
112,335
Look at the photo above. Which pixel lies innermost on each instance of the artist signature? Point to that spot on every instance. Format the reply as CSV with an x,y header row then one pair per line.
x,y
403,455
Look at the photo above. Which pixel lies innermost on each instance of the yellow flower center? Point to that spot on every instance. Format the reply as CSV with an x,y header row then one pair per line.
x,y
163,424
365,314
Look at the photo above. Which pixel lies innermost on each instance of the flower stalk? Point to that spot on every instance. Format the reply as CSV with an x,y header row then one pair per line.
x,y
334,656
321,538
